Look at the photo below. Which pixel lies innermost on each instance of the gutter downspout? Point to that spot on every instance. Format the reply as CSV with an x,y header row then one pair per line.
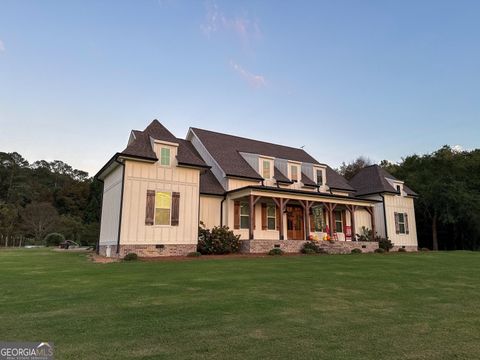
x,y
384,215
221,209
121,205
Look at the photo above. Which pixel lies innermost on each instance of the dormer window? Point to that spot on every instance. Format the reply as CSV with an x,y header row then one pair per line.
x,y
319,177
398,189
165,156
266,169
294,172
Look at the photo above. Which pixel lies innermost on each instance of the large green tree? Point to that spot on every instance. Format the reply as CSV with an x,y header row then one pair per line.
x,y
448,184
70,192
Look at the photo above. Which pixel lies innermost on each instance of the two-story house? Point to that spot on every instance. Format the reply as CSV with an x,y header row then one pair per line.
x,y
160,188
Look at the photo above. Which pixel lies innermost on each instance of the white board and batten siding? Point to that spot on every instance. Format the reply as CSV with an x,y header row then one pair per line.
x,y
401,204
112,193
140,177
210,210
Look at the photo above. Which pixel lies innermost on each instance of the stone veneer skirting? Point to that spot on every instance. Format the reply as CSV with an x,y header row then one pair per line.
x,y
294,246
247,246
149,250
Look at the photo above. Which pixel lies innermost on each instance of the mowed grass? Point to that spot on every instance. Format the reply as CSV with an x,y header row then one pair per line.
x,y
370,306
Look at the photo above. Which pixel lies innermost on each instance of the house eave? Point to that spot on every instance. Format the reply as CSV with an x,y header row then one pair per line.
x,y
301,192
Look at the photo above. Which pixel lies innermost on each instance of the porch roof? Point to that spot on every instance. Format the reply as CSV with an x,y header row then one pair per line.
x,y
300,194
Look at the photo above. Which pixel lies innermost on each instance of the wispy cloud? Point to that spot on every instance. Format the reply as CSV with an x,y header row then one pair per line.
x,y
254,80
2,46
243,27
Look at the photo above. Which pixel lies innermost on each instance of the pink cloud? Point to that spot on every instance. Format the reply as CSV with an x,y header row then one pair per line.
x,y
242,26
254,80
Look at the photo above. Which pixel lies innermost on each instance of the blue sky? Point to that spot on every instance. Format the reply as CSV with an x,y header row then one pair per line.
x,y
383,79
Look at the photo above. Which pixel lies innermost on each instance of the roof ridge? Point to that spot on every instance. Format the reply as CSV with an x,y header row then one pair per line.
x,y
246,138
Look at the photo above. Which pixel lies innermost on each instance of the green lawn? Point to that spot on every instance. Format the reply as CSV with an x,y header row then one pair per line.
x,y
371,306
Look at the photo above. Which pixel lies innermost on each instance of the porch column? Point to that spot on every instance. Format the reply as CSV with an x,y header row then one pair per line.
x,y
306,205
351,209
252,216
281,203
253,200
330,207
371,211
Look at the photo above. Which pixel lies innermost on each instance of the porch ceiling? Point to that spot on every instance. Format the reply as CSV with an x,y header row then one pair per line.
x,y
297,195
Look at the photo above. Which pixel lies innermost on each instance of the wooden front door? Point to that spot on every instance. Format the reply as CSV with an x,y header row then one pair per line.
x,y
295,226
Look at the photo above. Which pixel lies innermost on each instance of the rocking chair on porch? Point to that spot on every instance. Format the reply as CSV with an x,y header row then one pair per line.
x,y
334,233
348,232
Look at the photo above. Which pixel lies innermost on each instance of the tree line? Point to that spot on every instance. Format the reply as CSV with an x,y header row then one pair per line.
x,y
46,197
447,181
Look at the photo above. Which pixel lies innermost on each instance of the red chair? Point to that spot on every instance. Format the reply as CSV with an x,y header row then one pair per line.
x,y
334,234
348,232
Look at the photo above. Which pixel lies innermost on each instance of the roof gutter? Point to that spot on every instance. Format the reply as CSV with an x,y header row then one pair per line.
x,y
244,177
114,159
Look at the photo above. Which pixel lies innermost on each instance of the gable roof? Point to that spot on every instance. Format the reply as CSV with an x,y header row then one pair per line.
x,y
373,180
141,146
209,184
337,181
226,149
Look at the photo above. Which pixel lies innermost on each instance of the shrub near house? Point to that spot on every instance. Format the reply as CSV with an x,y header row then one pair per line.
x,y
218,241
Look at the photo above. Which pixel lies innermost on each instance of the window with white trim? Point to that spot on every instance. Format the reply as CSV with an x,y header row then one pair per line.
x,y
244,216
266,169
338,222
271,217
294,172
319,177
165,156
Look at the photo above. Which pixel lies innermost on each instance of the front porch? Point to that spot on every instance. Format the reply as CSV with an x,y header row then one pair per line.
x,y
295,246
266,218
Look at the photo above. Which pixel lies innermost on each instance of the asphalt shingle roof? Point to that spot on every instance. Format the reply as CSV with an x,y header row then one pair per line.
x,y
373,180
337,181
141,145
226,149
209,184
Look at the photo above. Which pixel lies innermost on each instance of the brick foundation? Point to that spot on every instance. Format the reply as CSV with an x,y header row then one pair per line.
x,y
149,250
295,246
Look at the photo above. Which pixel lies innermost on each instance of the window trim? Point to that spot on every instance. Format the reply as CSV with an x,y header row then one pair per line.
x,y
321,177
296,172
402,222
169,210
244,205
338,221
264,161
162,157
274,217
